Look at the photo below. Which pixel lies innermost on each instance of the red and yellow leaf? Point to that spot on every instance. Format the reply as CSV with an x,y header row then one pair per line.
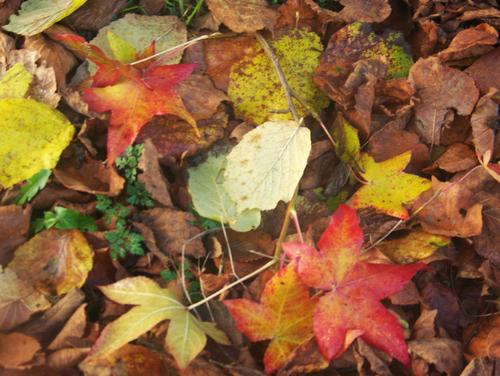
x,y
388,187
132,95
351,305
285,316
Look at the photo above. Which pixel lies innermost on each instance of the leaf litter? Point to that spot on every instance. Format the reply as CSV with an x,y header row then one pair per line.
x,y
403,208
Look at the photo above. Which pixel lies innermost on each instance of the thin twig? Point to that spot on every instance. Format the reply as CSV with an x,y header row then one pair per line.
x,y
277,66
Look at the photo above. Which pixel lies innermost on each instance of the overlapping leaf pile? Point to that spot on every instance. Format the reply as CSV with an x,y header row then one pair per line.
x,y
145,138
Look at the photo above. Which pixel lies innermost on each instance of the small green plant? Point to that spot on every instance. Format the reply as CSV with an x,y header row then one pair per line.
x,y
181,8
65,219
122,239
193,285
136,191
36,183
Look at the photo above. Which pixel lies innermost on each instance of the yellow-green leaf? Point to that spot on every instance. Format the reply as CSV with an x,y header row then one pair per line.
x,y
186,335
267,164
388,187
347,142
413,247
255,88
122,50
33,137
210,198
16,82
37,15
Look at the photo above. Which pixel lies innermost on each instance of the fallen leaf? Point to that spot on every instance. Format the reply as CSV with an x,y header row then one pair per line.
x,y
33,137
186,335
73,328
487,340
440,89
172,231
63,265
414,247
84,18
458,157
388,187
245,15
438,296
354,42
362,11
210,198
485,70
265,167
347,145
350,307
37,15
18,300
470,43
15,224
16,349
444,216
254,86
93,177
15,82
132,95
486,112
444,353
284,315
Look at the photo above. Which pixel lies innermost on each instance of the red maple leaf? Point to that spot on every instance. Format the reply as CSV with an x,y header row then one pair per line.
x,y
351,305
133,93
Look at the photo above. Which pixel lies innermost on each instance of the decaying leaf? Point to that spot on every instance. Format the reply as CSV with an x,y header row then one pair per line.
x,y
265,167
254,86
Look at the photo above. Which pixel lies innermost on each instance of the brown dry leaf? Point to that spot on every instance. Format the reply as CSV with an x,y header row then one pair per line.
x,y
18,300
394,97
242,243
153,177
424,326
470,43
172,231
138,361
222,54
439,89
7,9
152,7
6,44
424,39
211,283
244,15
480,14
444,216
365,11
94,14
176,138
63,359
487,242
200,96
481,367
438,296
16,349
486,72
389,143
486,112
310,16
74,328
45,328
458,157
305,358
206,21
44,85
445,354
15,224
93,177
487,340
56,56
63,265
374,224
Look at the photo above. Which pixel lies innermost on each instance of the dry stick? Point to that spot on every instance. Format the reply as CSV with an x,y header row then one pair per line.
x,y
277,66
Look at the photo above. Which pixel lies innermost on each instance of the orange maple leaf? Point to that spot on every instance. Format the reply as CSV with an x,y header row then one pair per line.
x,y
132,94
285,316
